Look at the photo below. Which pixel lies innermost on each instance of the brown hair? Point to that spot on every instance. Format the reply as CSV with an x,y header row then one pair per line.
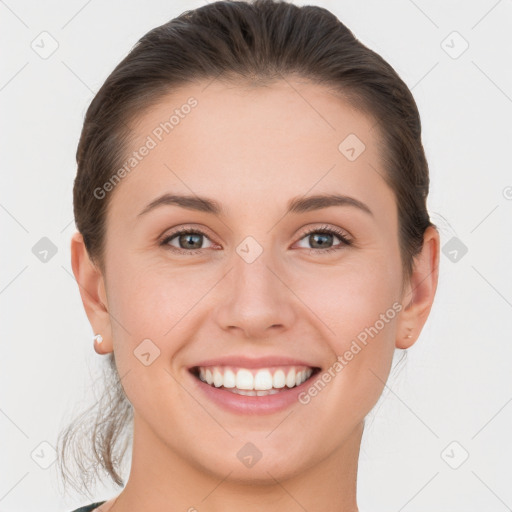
x,y
258,42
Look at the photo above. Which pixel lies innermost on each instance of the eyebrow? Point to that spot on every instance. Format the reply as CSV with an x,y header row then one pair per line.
x,y
295,205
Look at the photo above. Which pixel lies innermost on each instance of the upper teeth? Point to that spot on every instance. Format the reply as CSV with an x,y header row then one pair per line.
x,y
260,379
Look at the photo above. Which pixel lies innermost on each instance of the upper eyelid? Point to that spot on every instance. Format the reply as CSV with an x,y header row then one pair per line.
x,y
326,227
179,229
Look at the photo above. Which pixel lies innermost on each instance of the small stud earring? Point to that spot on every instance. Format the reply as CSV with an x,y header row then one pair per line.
x,y
98,338
409,336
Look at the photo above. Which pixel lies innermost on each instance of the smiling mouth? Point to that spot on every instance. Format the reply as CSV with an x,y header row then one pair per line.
x,y
254,381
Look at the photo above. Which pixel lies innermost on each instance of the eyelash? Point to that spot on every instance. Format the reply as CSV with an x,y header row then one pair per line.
x,y
324,230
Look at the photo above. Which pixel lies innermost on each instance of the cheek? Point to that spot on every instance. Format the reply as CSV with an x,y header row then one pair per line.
x,y
152,300
366,312
150,310
357,305
361,312
353,296
150,296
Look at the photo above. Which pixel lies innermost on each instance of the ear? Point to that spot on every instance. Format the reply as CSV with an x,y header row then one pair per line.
x,y
420,291
92,290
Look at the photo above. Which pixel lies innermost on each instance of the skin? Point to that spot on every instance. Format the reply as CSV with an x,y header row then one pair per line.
x,y
252,149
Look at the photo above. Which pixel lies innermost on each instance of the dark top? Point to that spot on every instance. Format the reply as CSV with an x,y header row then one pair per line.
x,y
90,507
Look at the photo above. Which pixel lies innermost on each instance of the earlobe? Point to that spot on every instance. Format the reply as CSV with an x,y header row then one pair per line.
x,y
100,346
421,290
92,291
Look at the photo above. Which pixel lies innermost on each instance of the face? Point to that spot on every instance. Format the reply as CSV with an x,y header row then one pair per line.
x,y
253,280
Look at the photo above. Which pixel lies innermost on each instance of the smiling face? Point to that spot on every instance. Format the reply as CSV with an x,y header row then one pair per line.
x,y
252,279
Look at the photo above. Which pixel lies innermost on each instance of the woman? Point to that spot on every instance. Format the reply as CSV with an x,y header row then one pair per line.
x,y
253,244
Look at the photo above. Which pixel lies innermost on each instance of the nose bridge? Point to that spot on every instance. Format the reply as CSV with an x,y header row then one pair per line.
x,y
252,277
256,297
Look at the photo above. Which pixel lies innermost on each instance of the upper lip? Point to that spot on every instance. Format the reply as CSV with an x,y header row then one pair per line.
x,y
249,362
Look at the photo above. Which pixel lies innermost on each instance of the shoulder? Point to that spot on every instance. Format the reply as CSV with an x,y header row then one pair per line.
x,y
89,508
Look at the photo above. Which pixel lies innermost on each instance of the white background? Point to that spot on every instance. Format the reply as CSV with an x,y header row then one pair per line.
x,y
456,384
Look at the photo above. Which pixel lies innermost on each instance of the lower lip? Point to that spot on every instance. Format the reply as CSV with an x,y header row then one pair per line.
x,y
248,405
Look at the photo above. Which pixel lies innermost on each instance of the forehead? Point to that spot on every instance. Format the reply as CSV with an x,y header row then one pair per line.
x,y
250,145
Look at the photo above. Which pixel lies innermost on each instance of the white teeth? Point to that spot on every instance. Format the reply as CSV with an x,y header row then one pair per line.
x,y
217,378
229,379
279,379
254,393
263,380
290,378
269,392
244,379
245,392
254,383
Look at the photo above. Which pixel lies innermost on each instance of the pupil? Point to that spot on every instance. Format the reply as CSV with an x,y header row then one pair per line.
x,y
187,238
315,236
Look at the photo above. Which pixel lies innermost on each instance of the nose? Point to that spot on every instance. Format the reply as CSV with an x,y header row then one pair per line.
x,y
256,302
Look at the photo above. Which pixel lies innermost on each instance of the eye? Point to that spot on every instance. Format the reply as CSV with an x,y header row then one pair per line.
x,y
189,240
322,237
